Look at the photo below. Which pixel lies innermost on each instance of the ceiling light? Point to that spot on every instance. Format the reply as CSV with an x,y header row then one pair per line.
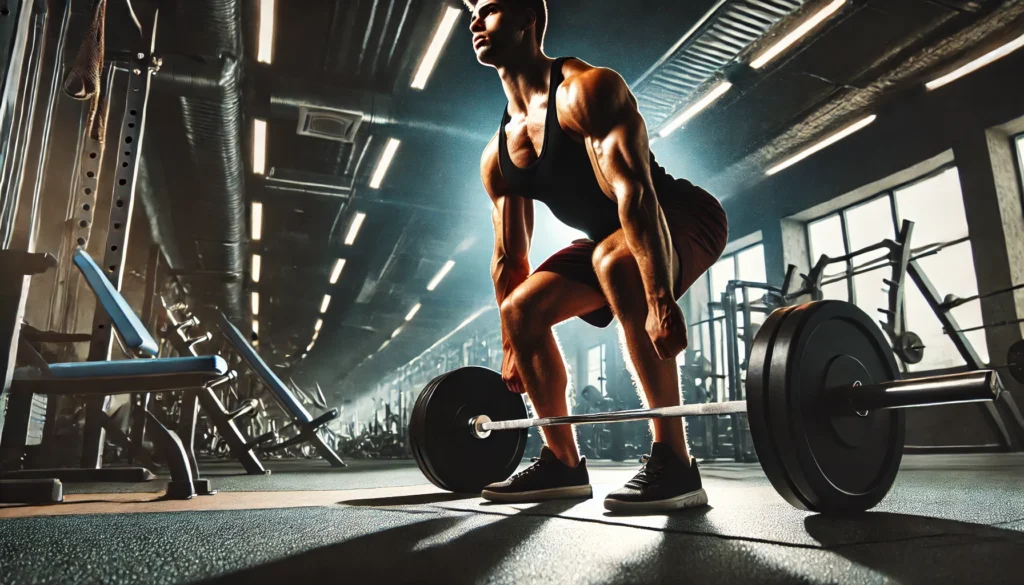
x,y
713,94
822,144
353,231
266,42
383,345
259,146
257,221
255,343
978,63
397,331
319,325
413,312
336,273
309,347
256,267
796,34
325,303
255,327
441,274
316,334
255,303
384,163
444,32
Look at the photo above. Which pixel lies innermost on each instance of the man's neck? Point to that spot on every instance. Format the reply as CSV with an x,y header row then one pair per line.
x,y
525,79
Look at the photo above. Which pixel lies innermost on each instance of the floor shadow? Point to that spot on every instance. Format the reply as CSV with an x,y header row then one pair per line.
x,y
919,549
410,553
413,500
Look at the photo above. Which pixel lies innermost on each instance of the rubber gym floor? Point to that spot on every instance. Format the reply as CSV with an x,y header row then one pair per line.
x,y
948,519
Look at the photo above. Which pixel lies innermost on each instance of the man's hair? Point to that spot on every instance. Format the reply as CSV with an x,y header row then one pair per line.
x,y
539,7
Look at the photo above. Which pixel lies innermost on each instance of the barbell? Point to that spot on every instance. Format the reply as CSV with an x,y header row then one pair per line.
x,y
824,399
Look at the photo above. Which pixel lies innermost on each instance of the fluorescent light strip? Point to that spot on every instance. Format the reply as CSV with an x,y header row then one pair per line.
x,y
397,331
336,273
309,347
430,58
255,327
259,146
255,303
257,221
716,92
353,231
385,161
413,312
383,345
264,53
978,63
319,325
256,261
325,303
796,34
441,274
823,144
316,334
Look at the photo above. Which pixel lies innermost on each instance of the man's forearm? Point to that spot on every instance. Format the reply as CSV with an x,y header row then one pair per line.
x,y
647,236
507,276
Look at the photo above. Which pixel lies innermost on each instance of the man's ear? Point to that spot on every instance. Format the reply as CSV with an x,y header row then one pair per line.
x,y
531,19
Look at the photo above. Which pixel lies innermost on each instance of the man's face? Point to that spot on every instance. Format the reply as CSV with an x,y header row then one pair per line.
x,y
498,30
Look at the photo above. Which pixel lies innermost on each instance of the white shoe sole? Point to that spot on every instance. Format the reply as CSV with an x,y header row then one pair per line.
x,y
689,500
562,493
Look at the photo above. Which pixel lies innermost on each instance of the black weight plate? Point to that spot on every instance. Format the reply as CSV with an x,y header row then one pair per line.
x,y
909,347
844,463
758,414
1015,360
449,455
416,436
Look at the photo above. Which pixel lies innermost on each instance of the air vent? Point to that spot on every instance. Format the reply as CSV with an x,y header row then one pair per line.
x,y
329,124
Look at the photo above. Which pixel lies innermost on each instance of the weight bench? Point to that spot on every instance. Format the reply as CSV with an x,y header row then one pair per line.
x,y
307,425
108,378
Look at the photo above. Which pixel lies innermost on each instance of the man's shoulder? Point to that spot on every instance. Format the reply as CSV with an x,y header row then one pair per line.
x,y
590,92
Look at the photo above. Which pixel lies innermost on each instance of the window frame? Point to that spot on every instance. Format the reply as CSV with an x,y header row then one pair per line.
x,y
895,216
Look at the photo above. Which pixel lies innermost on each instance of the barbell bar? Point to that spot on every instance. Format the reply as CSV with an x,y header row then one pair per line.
x,y
976,386
824,401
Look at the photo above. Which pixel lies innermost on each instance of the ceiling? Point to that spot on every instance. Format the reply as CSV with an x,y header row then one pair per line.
x,y
361,54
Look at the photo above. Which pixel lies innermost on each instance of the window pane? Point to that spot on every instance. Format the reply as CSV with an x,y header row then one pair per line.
x,y
721,273
951,271
825,236
936,206
836,291
750,264
867,224
595,366
1020,156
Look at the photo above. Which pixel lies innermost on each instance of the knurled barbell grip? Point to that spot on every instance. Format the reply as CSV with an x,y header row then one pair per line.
x,y
703,409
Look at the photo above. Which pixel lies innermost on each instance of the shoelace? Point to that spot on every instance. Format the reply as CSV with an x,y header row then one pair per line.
x,y
536,464
650,472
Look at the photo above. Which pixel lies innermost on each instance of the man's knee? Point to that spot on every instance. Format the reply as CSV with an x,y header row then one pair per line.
x,y
613,262
523,316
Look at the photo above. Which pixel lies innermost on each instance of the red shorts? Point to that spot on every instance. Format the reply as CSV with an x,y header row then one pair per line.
x,y
699,232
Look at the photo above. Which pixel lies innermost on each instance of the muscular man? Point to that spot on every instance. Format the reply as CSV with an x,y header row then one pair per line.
x,y
572,138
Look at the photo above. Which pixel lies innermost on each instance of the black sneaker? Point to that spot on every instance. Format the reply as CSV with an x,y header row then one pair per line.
x,y
664,483
547,479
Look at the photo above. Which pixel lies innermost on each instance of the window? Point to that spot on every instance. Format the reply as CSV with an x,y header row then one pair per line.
x,y
1020,157
597,368
935,205
708,336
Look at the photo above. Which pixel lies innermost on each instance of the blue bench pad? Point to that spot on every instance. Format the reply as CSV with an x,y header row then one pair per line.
x,y
121,315
214,365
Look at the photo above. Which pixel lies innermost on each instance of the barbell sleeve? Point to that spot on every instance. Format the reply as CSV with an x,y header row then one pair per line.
x,y
976,386
482,426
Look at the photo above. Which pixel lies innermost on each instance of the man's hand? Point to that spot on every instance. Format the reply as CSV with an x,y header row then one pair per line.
x,y
509,373
666,327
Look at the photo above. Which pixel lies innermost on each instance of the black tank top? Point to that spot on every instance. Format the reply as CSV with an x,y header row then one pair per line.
x,y
563,177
